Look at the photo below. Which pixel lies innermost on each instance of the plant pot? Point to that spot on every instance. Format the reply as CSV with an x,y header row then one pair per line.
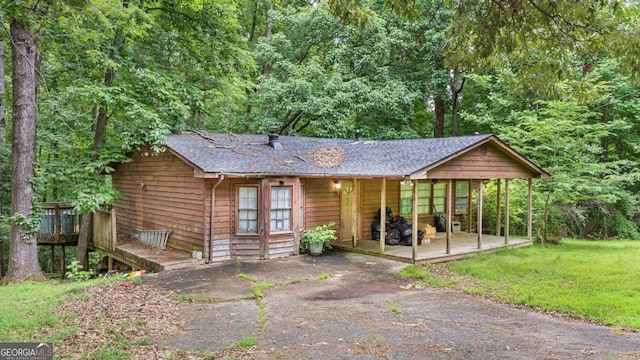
x,y
315,249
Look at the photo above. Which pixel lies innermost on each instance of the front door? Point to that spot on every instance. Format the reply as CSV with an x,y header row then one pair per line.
x,y
346,211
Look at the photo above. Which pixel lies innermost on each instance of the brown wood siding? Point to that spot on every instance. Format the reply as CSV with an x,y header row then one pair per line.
x,y
370,200
221,220
322,202
160,192
281,245
480,164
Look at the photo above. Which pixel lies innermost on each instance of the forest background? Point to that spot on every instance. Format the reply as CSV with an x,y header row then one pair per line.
x,y
87,81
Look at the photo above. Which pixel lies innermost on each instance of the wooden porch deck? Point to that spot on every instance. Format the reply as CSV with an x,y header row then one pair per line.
x,y
462,245
142,256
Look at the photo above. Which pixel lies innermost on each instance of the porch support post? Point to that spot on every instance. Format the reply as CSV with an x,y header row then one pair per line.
x,y
480,188
383,213
354,213
62,264
529,209
469,204
448,214
498,205
506,211
414,226
52,259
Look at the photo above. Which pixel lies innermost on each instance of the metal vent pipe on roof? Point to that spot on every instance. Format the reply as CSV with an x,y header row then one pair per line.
x,y
274,141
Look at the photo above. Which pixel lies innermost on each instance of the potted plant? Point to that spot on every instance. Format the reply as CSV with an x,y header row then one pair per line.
x,y
318,239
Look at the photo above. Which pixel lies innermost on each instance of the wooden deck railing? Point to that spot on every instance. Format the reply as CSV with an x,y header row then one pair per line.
x,y
59,224
105,236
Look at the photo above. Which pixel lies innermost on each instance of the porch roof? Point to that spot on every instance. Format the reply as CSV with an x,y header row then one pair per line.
x,y
251,155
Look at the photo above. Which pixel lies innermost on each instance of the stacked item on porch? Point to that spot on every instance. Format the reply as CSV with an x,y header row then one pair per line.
x,y
397,230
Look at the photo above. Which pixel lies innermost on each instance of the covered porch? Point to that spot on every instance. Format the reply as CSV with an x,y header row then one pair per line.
x,y
433,251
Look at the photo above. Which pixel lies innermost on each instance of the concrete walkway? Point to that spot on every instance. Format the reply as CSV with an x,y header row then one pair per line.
x,y
353,306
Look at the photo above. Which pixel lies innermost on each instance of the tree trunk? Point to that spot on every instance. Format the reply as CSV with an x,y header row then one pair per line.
x,y
439,109
457,83
23,251
3,139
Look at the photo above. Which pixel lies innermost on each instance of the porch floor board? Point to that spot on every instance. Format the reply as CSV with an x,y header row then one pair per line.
x,y
462,245
152,259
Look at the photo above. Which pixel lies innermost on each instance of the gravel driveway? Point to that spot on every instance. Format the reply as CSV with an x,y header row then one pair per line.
x,y
364,311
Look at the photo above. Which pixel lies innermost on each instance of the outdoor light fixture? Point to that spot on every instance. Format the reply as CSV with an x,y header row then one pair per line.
x,y
407,181
338,186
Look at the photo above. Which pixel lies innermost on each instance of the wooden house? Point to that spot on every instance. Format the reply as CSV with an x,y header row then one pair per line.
x,y
230,195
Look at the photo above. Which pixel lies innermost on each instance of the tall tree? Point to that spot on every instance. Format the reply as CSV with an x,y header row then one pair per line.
x,y
3,139
23,252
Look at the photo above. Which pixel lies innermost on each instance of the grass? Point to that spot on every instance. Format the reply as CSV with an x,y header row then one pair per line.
x,y
323,276
394,308
259,288
594,280
427,278
246,342
29,307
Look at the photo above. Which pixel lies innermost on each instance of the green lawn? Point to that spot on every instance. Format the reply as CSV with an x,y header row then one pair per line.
x,y
595,280
28,309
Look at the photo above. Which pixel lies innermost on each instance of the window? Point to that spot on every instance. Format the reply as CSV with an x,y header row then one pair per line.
x,y
406,198
248,209
281,208
439,196
462,196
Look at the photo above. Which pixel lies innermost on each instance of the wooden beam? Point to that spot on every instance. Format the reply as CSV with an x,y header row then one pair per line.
x,y
114,230
448,212
52,259
414,220
469,209
62,264
529,209
354,213
58,222
506,211
383,212
498,206
480,188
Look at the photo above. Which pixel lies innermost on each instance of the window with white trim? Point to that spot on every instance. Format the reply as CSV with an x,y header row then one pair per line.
x,y
462,196
439,197
248,209
281,208
406,198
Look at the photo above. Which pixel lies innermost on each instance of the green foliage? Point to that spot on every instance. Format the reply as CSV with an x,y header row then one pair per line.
x,y
30,225
595,280
424,275
321,234
582,137
575,31
565,98
259,288
394,308
75,272
29,307
246,342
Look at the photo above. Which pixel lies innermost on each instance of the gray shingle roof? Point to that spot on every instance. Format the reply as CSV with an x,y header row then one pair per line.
x,y
251,154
